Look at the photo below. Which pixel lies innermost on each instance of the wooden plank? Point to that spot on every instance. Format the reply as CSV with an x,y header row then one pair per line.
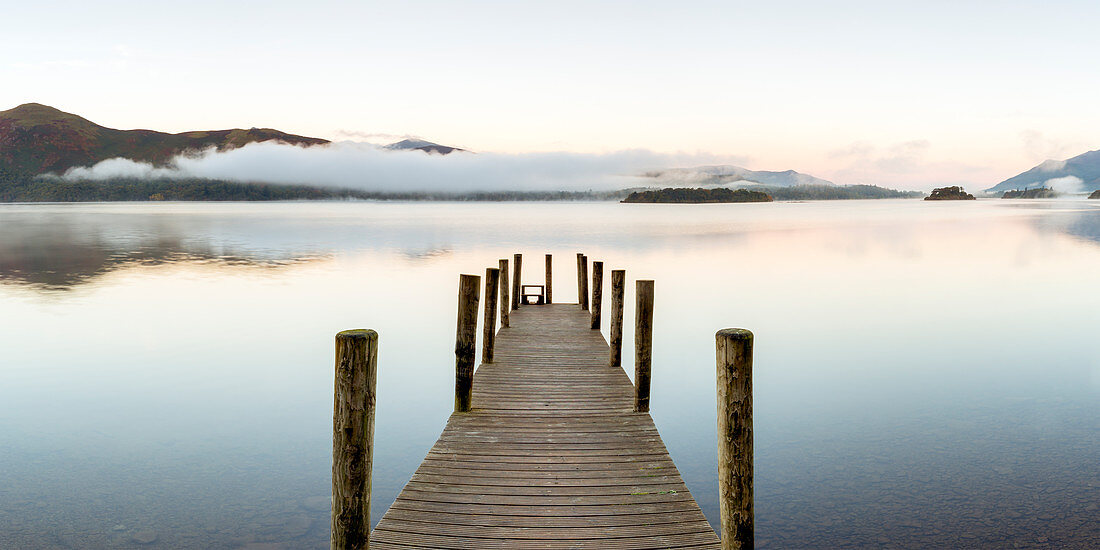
x,y
551,455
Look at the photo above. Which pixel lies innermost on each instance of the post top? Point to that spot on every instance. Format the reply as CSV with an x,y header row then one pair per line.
x,y
358,334
734,334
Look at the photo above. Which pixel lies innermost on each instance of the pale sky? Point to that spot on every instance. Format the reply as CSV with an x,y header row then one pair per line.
x,y
899,94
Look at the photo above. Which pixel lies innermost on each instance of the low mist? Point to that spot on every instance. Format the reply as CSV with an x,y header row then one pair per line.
x,y
368,167
1068,185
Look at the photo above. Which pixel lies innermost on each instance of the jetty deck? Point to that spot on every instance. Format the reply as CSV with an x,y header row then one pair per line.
x,y
552,455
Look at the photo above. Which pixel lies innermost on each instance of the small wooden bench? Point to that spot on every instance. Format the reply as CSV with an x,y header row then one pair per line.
x,y
540,296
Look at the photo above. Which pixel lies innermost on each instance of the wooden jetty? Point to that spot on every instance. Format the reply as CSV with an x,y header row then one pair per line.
x,y
551,445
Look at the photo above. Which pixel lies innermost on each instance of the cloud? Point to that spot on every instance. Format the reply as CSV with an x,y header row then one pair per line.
x,y
906,164
373,137
368,167
1039,147
1069,185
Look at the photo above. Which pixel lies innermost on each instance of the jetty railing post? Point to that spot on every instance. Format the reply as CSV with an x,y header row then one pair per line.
x,y
505,304
489,317
735,453
584,283
466,340
597,294
517,295
549,278
353,437
643,344
618,290
580,279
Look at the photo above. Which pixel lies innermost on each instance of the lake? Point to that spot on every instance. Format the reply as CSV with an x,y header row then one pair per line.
x,y
926,374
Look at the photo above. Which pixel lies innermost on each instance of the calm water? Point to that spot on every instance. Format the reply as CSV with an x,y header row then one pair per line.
x,y
927,375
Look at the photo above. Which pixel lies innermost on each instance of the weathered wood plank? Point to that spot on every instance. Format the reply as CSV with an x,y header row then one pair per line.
x,y
550,455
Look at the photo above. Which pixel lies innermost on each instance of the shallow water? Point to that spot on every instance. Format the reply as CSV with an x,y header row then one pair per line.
x,y
927,375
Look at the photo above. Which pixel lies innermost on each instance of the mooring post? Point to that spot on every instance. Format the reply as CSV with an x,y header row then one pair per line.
x,y
353,437
597,293
505,304
580,279
584,283
735,456
643,344
489,317
517,294
466,340
549,278
618,290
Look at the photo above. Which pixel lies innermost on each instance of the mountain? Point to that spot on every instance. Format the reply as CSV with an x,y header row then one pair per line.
x,y
1085,167
421,145
37,139
723,175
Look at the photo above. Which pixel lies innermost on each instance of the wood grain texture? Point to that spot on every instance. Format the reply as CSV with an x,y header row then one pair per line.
x,y
517,260
643,344
584,282
466,339
549,278
353,437
505,292
733,350
550,456
597,294
618,292
489,316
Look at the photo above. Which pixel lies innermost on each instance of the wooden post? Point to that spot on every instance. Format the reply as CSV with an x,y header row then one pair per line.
x,y
643,344
618,289
505,304
580,279
735,454
597,293
466,340
584,283
517,295
489,317
549,278
353,437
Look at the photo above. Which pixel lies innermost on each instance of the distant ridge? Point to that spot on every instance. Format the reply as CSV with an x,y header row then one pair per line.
x,y
723,175
422,145
38,139
1085,167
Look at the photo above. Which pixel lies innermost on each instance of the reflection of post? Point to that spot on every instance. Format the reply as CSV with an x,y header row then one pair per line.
x,y
735,454
584,283
466,340
489,317
549,278
517,295
618,289
597,293
643,344
505,304
353,437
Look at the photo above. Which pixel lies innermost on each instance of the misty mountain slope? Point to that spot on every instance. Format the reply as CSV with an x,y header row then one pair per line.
x,y
722,175
38,139
1085,167
422,145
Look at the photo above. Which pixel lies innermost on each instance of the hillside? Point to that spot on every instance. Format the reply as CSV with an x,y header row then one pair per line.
x,y
723,175
38,139
1085,167
422,145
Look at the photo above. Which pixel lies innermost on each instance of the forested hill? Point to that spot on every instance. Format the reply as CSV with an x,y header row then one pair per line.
x,y
37,139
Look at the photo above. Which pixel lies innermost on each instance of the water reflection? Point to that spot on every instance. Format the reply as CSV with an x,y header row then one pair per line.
x,y
926,374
